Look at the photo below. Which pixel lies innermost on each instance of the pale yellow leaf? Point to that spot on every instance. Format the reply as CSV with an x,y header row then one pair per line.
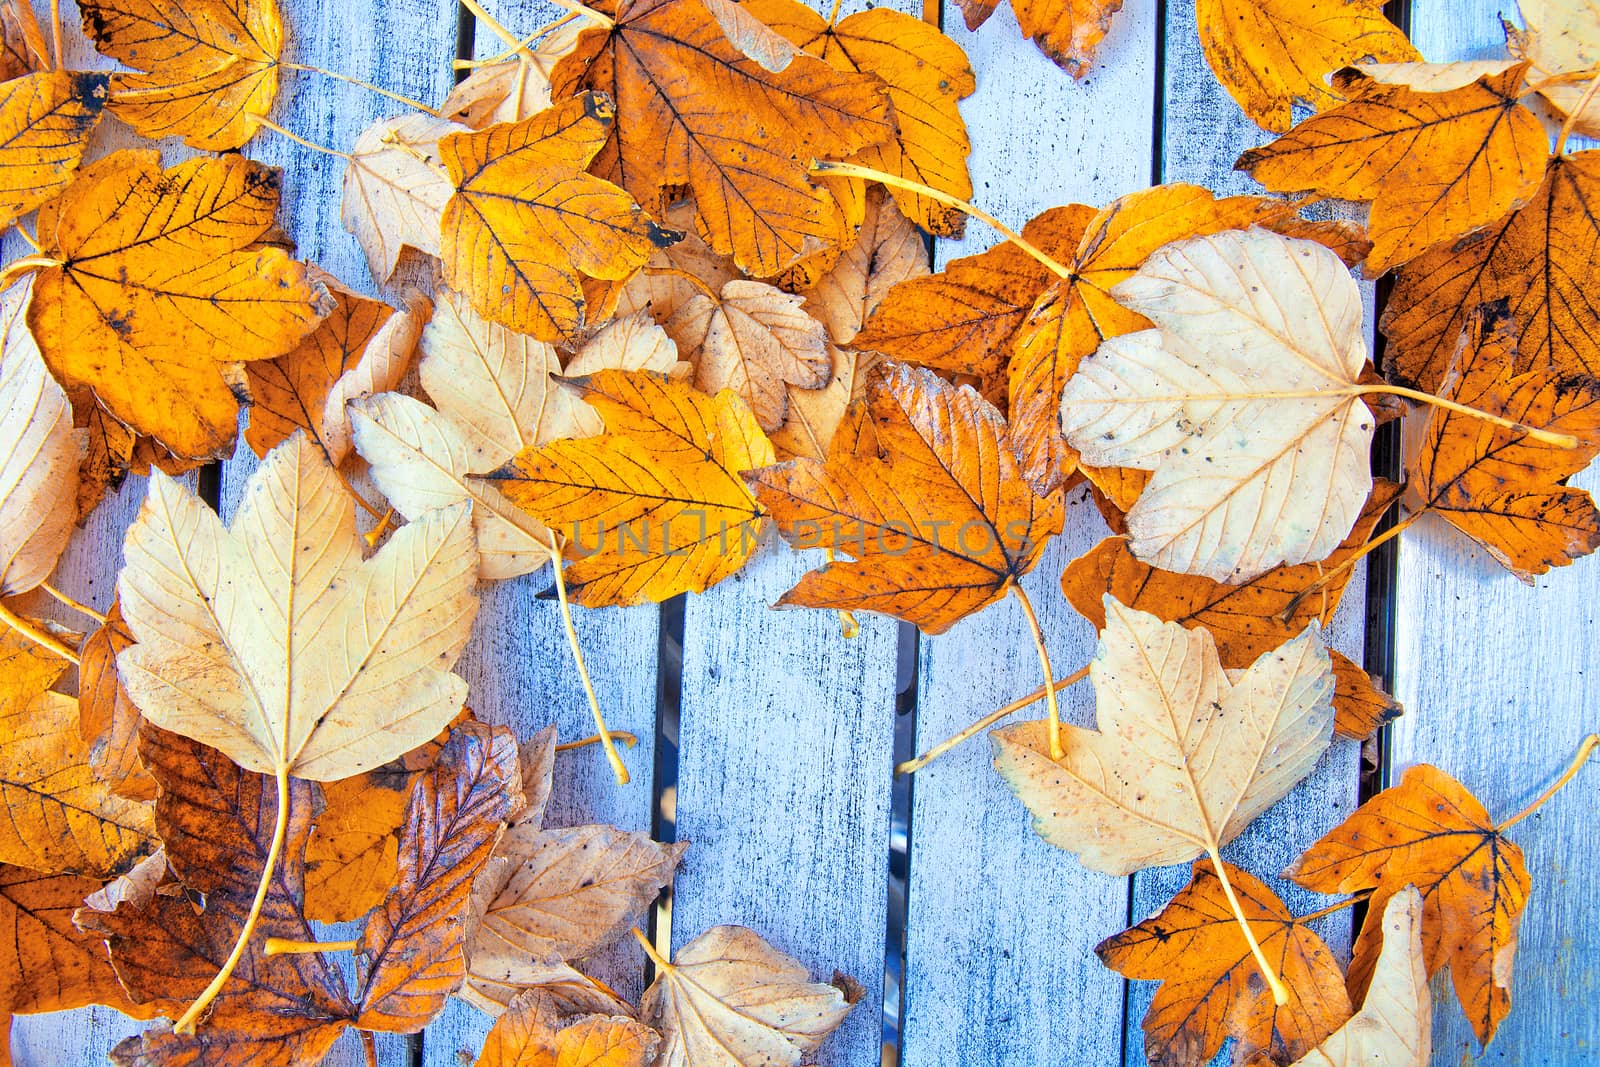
x,y
395,189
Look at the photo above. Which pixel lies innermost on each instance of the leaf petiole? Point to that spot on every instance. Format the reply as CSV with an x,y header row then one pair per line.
x,y
37,636
612,756
266,123
836,169
66,601
1280,995
1575,114
1392,532
185,1024
1585,747
593,739
380,90
912,766
662,964
1052,708
284,946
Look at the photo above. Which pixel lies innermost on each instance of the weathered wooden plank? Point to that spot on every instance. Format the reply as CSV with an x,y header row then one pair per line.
x,y
1000,925
1499,684
1203,133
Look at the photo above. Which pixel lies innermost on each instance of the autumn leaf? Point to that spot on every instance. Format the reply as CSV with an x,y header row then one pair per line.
x,y
22,48
206,68
218,824
1499,486
525,223
728,999
655,506
925,496
395,189
563,894
353,851
702,115
965,317
38,459
1122,798
1244,401
1537,258
755,340
926,74
530,1035
1246,620
61,816
107,719
1561,37
46,964
512,89
363,347
1429,831
158,281
1271,54
676,273
1434,165
1210,989
45,122
1078,311
1068,31
411,954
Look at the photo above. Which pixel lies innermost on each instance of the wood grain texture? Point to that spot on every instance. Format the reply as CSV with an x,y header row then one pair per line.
x,y
786,744
999,961
1499,682
1203,133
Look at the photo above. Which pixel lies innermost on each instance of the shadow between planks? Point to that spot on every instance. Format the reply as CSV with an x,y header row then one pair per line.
x,y
768,741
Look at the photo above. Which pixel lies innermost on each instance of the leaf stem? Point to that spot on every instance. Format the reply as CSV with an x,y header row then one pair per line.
x,y
912,766
369,1047
380,90
1053,710
605,21
374,535
1280,995
1586,747
23,233
622,735
1547,437
852,170
1388,535
18,267
650,950
266,123
185,1024
285,946
55,35
833,16
521,49
1359,898
679,272
76,605
37,636
849,625
366,505
1574,114
612,756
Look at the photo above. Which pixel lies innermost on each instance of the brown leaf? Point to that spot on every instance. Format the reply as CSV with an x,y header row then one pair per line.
x,y
1429,831
926,498
1537,259
1211,987
1068,31
107,719
1359,705
410,956
1435,165
1498,486
755,340
703,115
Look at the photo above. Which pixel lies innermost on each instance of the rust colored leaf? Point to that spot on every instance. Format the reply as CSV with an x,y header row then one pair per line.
x,y
107,719
1429,831
526,224
1434,165
654,506
410,956
159,281
1539,259
1211,988
700,114
924,495
206,67
1068,31
353,853
530,1035
1498,486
